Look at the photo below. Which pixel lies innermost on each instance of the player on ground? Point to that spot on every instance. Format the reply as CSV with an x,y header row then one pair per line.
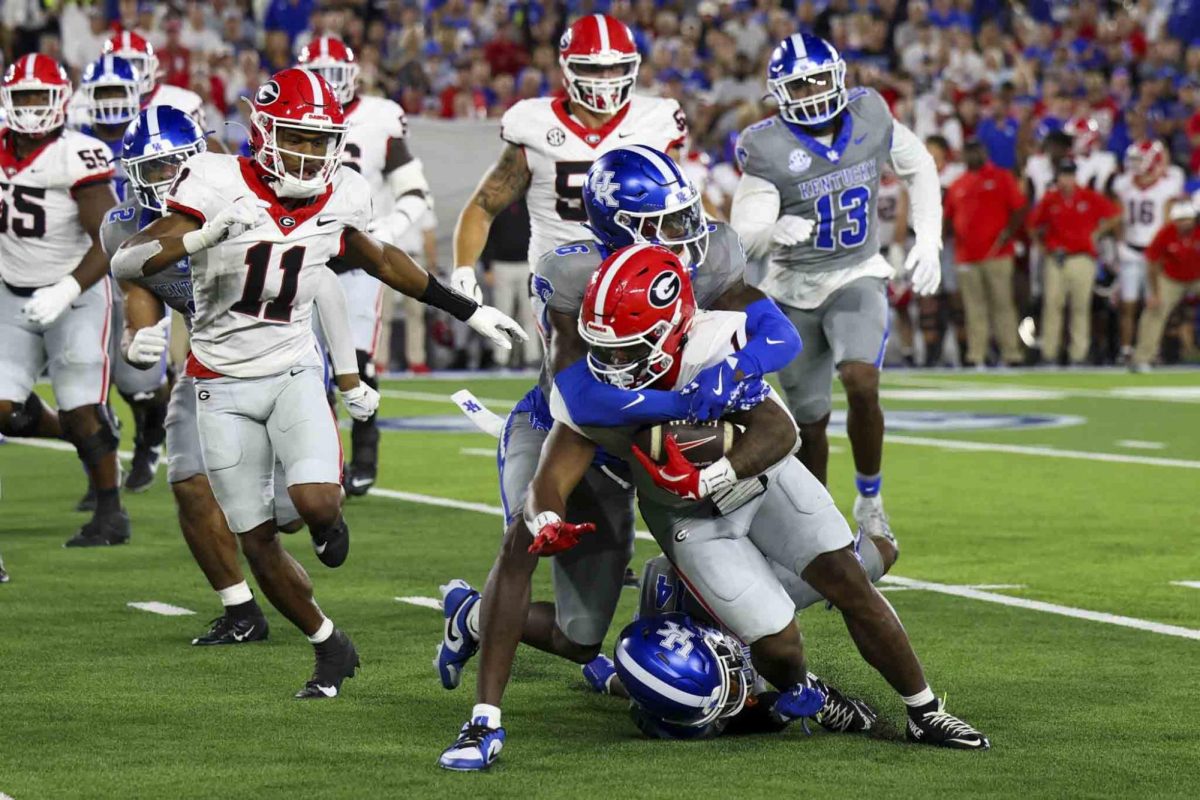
x,y
55,297
632,194
813,171
260,233
1144,189
377,147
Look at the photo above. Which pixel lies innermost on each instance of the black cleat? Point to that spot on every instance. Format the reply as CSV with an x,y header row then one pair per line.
x,y
631,580
4,576
143,469
227,630
842,714
336,660
944,730
364,458
359,479
334,545
87,503
102,531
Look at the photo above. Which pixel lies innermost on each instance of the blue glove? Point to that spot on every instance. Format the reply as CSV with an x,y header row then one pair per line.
x,y
747,395
798,702
711,390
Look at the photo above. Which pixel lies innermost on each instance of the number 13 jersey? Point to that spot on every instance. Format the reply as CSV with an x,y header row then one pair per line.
x,y
254,293
559,150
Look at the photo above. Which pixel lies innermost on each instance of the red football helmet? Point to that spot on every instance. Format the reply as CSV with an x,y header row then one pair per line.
x,y
132,47
35,73
330,58
1146,160
296,102
1085,135
592,46
636,311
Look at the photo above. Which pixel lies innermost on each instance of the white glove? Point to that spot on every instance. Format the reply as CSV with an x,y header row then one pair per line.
x,y
49,302
146,346
791,230
362,401
895,257
231,221
924,263
497,326
462,280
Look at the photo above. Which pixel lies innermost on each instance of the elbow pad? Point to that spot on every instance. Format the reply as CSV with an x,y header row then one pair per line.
x,y
128,263
406,178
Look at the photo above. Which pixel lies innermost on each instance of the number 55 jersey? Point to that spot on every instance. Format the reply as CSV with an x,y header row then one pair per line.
x,y
253,292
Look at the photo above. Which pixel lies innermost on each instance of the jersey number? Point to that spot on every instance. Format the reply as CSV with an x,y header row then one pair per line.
x,y
93,159
353,156
258,258
28,218
1141,212
568,188
855,202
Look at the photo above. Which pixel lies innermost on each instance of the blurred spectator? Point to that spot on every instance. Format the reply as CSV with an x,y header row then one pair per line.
x,y
1174,271
289,16
173,58
199,34
84,31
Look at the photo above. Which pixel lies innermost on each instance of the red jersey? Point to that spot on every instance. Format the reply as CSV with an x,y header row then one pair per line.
x,y
980,205
1178,252
1068,222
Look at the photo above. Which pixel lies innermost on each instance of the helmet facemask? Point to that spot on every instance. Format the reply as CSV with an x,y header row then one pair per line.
x,y
146,66
47,112
602,95
737,677
114,103
342,77
151,175
814,97
628,362
301,172
683,230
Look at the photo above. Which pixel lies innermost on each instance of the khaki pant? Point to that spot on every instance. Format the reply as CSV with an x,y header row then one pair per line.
x,y
510,294
1070,283
414,332
1154,320
987,293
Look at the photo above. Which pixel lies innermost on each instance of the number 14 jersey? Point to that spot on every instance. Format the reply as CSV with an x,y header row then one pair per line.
x,y
254,293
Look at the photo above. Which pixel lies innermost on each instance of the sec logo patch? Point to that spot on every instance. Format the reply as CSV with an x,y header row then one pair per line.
x,y
799,161
555,137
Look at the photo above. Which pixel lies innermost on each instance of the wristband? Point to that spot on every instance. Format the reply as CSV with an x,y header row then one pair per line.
x,y
456,305
541,520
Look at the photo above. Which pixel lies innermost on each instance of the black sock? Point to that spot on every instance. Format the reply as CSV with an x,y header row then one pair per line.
x,y
916,712
108,501
246,610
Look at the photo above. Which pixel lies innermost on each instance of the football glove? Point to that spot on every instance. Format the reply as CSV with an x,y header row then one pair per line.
x,y
556,536
49,302
361,402
493,323
463,281
791,230
681,477
924,264
798,702
716,391
231,221
146,346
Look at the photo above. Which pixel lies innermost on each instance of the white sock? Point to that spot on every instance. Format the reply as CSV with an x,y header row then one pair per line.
x,y
235,595
490,714
921,698
323,632
473,620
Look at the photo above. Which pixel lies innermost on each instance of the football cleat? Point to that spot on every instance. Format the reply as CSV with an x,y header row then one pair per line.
x,y
102,531
359,479
364,459
143,469
631,579
944,730
458,644
599,673
333,546
336,660
477,747
842,714
227,630
868,513
87,503
4,577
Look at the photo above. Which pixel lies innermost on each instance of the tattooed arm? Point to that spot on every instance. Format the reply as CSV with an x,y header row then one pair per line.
x,y
504,184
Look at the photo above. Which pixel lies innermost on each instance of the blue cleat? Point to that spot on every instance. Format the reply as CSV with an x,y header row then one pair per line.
x,y
798,703
458,644
599,673
476,748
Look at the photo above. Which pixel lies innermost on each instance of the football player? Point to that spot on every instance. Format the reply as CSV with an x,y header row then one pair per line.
x,y
377,147
55,296
1097,166
259,233
808,199
631,194
722,526
1144,189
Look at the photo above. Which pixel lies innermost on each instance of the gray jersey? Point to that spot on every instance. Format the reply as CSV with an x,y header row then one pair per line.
x,y
173,285
561,276
836,186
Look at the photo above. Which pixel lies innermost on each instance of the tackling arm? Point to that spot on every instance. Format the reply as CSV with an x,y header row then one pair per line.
x,y
155,247
773,341
564,461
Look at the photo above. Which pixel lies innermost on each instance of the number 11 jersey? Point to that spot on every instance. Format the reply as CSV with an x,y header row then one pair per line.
x,y
254,293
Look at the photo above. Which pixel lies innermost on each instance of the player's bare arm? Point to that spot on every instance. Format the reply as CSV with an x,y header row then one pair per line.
x,y
95,200
565,345
147,331
565,459
142,307
504,184
155,247
768,438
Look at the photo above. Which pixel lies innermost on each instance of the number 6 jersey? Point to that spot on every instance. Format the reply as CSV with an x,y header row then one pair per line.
x,y
254,293
41,237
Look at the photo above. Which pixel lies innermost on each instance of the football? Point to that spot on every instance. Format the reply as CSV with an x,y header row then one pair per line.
x,y
702,442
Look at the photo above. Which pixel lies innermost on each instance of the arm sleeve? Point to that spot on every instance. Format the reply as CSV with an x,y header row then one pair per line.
x,y
335,323
755,210
914,165
773,340
592,403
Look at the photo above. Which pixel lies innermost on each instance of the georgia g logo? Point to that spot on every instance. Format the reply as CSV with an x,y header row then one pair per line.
x,y
664,289
267,93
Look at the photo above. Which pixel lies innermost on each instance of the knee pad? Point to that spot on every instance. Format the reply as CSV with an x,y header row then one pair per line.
x,y
26,417
95,448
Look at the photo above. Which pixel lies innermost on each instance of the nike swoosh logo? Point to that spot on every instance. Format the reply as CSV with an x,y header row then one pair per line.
x,y
323,221
774,341
860,139
328,691
720,384
320,549
76,307
683,448
634,402
357,482
244,636
450,635
295,372
624,135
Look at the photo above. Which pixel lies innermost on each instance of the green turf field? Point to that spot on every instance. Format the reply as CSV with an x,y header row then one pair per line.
x,y
1094,511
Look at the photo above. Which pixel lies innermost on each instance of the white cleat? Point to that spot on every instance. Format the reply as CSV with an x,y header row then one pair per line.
x,y
872,521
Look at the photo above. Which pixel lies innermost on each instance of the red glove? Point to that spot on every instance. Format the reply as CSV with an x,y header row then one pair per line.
x,y
557,536
678,476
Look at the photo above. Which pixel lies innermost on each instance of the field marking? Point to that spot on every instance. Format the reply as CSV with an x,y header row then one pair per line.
x,y
1164,394
424,602
898,588
165,609
1188,584
1140,444
433,397
478,451
1033,450
57,444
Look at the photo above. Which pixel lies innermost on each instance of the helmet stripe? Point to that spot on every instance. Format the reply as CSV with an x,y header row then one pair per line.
x,y
152,121
666,168
324,45
798,46
659,686
29,62
610,274
315,85
602,24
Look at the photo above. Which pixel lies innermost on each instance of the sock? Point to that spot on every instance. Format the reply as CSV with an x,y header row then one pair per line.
x,y
108,501
473,619
235,595
323,633
869,485
489,714
922,702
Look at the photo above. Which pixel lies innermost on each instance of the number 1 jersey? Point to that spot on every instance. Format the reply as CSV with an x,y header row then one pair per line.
x,y
254,293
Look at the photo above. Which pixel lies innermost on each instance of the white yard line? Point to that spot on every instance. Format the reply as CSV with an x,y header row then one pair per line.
x,y
166,609
478,451
425,602
505,403
1033,450
57,444
1187,584
1138,444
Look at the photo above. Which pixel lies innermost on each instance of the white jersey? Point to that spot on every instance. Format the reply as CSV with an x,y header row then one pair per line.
x,y
886,207
1040,174
254,293
374,122
1096,170
41,237
1145,207
559,150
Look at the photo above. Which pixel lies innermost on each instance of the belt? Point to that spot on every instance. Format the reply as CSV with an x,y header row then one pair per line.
x,y
1135,247
21,291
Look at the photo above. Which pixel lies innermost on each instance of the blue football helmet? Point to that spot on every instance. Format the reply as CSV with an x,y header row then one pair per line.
x,y
807,76
112,92
636,195
681,672
154,147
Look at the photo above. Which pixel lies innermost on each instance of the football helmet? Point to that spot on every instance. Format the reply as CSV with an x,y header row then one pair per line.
x,y
1085,135
807,76
139,52
334,61
300,101
35,73
118,80
636,311
1145,160
682,672
157,143
638,194
592,45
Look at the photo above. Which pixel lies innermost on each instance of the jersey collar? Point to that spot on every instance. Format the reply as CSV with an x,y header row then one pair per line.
x,y
9,163
286,219
832,153
592,137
